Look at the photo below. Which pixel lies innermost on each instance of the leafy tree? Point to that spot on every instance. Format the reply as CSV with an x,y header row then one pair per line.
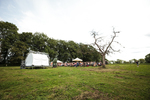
x,y
14,47
126,62
73,49
119,61
8,36
27,38
16,53
39,42
62,48
51,48
147,58
84,52
134,60
142,60
94,54
89,53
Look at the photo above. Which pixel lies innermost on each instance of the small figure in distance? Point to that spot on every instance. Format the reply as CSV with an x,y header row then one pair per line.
x,y
137,62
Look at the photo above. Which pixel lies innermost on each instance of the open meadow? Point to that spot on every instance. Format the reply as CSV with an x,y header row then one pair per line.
x,y
123,82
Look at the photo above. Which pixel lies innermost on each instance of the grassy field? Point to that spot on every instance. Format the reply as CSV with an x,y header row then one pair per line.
x,y
123,82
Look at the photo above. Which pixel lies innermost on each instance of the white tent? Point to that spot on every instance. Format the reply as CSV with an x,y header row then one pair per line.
x,y
77,59
58,61
112,62
36,59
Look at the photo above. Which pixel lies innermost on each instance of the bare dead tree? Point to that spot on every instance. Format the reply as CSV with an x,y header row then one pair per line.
x,y
105,49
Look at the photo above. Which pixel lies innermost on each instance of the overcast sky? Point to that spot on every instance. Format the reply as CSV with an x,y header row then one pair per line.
x,y
75,19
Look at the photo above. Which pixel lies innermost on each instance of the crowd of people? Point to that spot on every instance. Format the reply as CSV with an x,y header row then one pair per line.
x,y
85,64
82,64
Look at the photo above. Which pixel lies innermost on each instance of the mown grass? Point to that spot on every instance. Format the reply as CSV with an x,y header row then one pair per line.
x,y
126,81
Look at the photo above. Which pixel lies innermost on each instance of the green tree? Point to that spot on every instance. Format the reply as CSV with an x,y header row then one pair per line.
x,y
39,42
63,53
27,38
51,48
88,53
8,36
134,60
94,54
73,49
14,47
147,58
119,61
84,52
17,52
142,60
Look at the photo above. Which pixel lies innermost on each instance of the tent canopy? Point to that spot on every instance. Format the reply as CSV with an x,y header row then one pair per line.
x,y
77,59
58,61
33,59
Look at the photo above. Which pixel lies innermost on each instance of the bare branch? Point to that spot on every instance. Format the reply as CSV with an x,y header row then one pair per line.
x,y
114,49
95,42
105,48
113,37
118,43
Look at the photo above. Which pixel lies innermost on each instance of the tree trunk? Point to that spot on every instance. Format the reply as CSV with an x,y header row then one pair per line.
x,y
103,61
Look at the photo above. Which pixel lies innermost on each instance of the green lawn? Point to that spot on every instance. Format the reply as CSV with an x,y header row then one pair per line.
x,y
82,83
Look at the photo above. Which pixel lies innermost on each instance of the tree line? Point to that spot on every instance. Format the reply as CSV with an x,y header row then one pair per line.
x,y
14,46
141,61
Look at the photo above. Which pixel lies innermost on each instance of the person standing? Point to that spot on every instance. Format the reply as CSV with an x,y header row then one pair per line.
x,y
77,64
137,62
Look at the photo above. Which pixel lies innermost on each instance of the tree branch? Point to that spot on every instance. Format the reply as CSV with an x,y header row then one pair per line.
x,y
95,41
113,37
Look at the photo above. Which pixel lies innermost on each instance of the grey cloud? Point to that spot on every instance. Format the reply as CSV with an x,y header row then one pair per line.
x,y
148,35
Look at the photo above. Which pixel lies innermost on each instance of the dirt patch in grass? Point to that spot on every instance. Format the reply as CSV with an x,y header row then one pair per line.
x,y
91,95
96,95
8,97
